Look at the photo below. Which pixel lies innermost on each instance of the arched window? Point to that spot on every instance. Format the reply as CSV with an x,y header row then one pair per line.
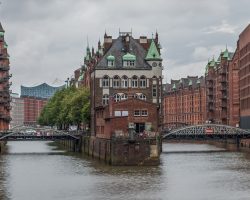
x,y
134,82
116,82
135,96
124,82
105,99
142,97
117,97
143,82
105,81
124,97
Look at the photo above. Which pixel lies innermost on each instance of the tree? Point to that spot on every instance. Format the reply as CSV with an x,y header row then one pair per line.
x,y
70,106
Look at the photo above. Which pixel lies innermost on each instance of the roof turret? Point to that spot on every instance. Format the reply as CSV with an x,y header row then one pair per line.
x,y
153,53
111,58
129,57
190,83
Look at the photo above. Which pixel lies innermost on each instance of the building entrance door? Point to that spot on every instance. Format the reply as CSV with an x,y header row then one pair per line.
x,y
139,127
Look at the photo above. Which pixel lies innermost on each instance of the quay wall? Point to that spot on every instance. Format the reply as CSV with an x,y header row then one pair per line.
x,y
118,151
2,146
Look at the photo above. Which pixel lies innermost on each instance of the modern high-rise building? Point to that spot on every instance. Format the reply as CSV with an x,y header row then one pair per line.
x,y
4,83
34,99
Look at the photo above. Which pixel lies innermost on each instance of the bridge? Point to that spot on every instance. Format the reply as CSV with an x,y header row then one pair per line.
x,y
206,131
27,133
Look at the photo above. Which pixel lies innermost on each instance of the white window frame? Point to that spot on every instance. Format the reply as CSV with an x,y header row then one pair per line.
x,y
134,82
137,113
143,97
117,98
124,97
105,99
144,113
116,82
124,82
143,82
105,81
111,63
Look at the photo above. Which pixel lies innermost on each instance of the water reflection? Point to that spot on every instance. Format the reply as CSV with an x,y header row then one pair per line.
x,y
35,170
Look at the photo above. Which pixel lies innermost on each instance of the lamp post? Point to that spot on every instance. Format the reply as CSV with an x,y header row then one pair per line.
x,y
67,82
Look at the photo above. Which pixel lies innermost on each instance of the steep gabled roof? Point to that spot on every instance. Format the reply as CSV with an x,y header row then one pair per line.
x,y
1,28
118,51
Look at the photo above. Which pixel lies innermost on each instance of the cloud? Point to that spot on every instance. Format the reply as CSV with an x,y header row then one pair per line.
x,y
47,38
224,27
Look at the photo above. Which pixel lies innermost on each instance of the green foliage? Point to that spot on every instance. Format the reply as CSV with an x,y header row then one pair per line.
x,y
70,106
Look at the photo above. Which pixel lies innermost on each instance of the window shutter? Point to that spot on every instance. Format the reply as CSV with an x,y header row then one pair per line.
x,y
147,82
111,82
100,81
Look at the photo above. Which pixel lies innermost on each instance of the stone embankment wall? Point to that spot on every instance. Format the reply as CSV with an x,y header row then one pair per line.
x,y
2,146
122,151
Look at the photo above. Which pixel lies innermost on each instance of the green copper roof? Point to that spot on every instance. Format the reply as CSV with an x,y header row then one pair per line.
x,y
5,45
1,34
225,54
190,83
174,87
153,53
80,78
111,58
212,63
198,81
129,57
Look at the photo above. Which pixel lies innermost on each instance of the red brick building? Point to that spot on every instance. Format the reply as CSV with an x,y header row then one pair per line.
x,y
4,83
125,78
217,88
244,77
34,99
184,102
32,109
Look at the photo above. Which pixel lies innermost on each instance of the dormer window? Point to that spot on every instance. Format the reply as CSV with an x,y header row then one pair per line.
x,y
129,60
111,61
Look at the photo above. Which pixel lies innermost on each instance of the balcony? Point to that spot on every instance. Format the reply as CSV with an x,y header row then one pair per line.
x,y
211,108
4,67
223,79
209,79
222,71
224,104
210,93
210,85
223,115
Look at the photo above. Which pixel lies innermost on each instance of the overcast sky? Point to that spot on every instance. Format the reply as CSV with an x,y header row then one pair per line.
x,y
47,38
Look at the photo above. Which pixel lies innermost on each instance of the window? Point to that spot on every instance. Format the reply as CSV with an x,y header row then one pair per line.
x,y
135,96
137,113
142,97
144,113
124,96
105,99
118,113
134,82
116,82
124,82
154,91
111,63
143,82
117,97
105,81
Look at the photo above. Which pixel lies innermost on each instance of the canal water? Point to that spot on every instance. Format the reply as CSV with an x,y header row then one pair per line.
x,y
36,170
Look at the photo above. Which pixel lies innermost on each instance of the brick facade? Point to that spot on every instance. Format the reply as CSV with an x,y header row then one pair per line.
x,y
4,83
244,77
184,102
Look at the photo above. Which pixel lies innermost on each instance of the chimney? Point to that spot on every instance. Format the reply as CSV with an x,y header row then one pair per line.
x,y
143,40
107,42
